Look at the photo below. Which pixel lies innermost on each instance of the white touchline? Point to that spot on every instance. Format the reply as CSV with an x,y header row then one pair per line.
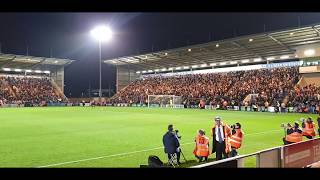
x,y
133,152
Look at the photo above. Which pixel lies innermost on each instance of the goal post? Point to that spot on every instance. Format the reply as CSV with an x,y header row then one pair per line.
x,y
167,101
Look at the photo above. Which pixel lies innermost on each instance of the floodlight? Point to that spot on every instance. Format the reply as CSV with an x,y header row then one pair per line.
x,y
309,52
101,33
284,57
245,61
257,59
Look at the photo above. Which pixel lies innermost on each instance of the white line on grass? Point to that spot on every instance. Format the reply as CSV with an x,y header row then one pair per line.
x,y
132,152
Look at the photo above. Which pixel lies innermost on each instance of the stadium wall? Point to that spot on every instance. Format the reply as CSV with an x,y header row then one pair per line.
x,y
125,75
58,77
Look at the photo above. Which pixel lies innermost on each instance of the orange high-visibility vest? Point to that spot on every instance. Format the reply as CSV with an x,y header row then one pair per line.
x,y
236,139
294,137
202,146
309,129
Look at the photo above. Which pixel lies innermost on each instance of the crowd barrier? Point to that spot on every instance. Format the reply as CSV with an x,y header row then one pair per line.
x,y
13,105
297,155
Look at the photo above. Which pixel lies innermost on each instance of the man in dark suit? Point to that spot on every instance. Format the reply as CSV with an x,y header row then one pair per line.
x,y
220,133
171,144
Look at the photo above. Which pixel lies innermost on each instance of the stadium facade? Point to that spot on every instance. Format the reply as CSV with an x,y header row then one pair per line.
x,y
300,45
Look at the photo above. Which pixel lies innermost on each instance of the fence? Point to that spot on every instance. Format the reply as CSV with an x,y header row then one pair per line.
x,y
295,155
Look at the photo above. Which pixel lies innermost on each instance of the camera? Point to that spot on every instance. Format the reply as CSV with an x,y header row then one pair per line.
x,y
177,134
286,126
233,126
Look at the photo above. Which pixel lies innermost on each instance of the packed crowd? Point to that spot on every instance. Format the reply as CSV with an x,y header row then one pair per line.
x,y
20,90
223,89
305,99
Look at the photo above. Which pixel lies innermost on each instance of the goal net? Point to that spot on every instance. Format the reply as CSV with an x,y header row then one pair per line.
x,y
168,101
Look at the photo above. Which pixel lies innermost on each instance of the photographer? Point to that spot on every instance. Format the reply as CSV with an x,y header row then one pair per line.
x,y
308,128
202,146
236,139
293,134
171,143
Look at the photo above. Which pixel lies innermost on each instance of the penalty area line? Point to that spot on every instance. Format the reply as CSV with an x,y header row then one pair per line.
x,y
132,152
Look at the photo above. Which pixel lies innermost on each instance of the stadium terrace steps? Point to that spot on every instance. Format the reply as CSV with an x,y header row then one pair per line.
x,y
313,78
57,89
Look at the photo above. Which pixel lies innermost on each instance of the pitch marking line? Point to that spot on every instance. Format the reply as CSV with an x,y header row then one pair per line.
x,y
133,152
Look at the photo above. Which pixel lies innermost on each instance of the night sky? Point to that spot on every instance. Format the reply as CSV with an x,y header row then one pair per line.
x,y
67,34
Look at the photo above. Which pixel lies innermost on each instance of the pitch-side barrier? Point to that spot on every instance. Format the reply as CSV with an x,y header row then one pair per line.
x,y
297,155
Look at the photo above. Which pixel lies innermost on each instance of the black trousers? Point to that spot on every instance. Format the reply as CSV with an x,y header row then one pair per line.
x,y
309,137
220,149
201,158
233,152
178,156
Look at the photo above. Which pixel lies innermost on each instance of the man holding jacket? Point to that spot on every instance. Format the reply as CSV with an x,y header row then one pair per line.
x,y
221,134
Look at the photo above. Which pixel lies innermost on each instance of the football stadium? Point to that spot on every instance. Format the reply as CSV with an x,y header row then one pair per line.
x,y
249,101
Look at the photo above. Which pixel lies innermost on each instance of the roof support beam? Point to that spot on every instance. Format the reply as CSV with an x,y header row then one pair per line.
x,y
247,49
35,65
180,61
281,44
214,53
145,62
220,56
316,30
8,61
194,58
140,66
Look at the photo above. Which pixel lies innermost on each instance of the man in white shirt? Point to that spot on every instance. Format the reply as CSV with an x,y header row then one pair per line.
x,y
220,133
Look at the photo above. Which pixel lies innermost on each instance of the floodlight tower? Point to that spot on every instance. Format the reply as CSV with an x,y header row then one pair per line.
x,y
102,34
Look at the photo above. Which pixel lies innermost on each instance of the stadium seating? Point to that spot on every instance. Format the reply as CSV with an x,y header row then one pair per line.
x,y
21,89
275,86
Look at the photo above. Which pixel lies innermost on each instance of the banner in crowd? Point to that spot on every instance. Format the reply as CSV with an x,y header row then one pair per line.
x,y
284,64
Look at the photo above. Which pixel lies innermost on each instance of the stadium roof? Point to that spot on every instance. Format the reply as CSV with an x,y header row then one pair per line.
x,y
31,62
268,46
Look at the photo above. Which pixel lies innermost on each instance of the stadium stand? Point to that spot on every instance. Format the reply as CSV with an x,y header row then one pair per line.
x,y
31,81
20,90
271,85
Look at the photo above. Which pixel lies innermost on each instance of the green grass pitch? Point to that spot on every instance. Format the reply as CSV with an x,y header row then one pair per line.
x,y
118,137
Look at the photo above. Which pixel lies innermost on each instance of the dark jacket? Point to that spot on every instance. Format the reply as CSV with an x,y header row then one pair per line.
x,y
292,130
170,142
